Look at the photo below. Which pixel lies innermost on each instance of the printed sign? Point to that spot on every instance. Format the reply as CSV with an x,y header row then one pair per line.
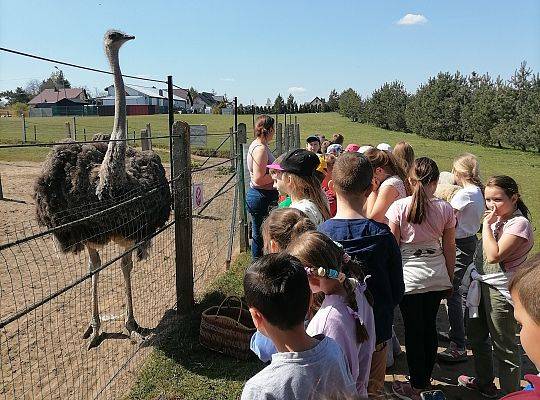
x,y
197,198
198,135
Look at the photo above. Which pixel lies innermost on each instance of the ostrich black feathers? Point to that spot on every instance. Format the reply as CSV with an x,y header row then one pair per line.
x,y
65,192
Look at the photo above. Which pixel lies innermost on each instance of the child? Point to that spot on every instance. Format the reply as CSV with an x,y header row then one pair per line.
x,y
468,205
313,144
277,293
420,223
352,148
389,184
507,238
334,149
330,195
346,313
525,290
324,146
295,176
278,230
372,244
404,154
338,138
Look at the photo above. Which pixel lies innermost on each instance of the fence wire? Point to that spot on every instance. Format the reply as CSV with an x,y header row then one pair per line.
x,y
46,294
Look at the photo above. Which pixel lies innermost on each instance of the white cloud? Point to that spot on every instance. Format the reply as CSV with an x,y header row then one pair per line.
x,y
412,19
296,89
227,79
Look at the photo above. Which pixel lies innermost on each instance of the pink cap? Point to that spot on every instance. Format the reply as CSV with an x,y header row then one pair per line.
x,y
352,148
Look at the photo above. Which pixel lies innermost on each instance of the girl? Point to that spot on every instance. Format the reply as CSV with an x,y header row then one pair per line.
x,y
507,238
281,226
346,313
329,159
389,184
468,205
420,222
404,154
261,194
295,176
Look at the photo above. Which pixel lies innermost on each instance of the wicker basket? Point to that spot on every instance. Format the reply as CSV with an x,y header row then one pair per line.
x,y
228,328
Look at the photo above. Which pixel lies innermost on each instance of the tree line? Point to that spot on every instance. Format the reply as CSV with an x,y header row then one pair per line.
x,y
474,108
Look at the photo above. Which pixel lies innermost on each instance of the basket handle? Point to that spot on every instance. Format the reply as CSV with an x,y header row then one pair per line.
x,y
227,300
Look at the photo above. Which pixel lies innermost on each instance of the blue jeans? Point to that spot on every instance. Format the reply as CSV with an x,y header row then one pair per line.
x,y
259,202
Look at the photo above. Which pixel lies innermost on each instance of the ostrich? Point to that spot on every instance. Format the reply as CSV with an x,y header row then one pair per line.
x,y
80,180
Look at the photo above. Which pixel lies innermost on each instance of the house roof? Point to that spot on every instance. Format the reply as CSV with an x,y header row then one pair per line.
x,y
150,92
53,95
207,98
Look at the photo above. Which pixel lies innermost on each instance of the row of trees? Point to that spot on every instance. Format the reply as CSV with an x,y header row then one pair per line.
x,y
280,106
472,108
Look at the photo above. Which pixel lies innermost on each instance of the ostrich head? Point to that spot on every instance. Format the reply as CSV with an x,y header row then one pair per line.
x,y
113,39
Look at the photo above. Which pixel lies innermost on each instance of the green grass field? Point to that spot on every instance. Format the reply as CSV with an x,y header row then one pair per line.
x,y
522,166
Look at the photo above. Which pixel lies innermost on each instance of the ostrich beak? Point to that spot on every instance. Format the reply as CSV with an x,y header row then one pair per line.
x,y
129,37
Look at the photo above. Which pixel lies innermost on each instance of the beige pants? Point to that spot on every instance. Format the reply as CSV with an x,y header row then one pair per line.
x,y
377,372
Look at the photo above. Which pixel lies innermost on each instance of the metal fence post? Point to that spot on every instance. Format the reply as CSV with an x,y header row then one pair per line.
x,y
74,127
279,139
23,129
285,138
231,147
1,191
297,135
240,140
183,228
35,133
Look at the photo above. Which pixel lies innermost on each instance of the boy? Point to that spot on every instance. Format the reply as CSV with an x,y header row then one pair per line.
x,y
373,244
525,291
278,295
313,143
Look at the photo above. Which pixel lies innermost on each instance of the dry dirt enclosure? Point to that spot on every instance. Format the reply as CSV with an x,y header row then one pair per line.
x,y
42,352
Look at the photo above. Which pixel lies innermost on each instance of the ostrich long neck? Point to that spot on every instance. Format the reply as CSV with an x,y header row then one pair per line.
x,y
113,168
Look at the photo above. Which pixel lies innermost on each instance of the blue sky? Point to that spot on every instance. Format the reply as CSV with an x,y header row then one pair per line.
x,y
255,50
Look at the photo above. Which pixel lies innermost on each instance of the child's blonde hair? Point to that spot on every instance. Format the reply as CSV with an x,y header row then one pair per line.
x,y
466,168
316,250
308,187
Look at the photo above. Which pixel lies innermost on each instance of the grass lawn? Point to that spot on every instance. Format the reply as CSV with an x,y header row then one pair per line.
x,y
522,166
180,367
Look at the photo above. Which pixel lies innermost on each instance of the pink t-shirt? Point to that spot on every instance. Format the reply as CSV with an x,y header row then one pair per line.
x,y
334,320
519,226
440,216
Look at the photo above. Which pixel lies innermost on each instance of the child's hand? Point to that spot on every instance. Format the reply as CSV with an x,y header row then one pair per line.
x,y
375,184
490,216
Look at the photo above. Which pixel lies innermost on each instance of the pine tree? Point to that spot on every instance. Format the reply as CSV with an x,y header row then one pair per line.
x,y
350,104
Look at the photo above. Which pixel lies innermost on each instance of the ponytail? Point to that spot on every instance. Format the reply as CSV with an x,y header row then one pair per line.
x,y
510,188
424,172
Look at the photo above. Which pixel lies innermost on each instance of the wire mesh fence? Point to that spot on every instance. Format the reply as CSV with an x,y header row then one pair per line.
x,y
46,295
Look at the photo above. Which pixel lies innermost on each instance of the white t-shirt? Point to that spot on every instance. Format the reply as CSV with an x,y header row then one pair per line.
x,y
311,210
470,204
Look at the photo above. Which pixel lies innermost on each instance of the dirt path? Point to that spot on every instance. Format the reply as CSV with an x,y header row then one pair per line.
x,y
42,353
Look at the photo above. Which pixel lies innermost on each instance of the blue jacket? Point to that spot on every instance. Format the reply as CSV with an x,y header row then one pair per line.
x,y
373,244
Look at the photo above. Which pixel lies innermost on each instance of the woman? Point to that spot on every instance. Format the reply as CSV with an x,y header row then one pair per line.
x,y
261,195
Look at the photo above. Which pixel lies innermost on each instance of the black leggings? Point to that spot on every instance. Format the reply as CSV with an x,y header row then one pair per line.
x,y
419,313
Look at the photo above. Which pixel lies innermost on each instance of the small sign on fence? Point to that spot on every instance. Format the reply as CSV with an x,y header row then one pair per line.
x,y
198,135
197,195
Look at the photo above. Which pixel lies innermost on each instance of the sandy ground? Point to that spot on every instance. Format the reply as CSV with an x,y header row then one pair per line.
x,y
42,353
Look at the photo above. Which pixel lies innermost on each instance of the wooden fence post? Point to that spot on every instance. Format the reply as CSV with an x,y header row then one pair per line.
x,y
68,130
35,133
286,143
279,139
23,128
1,191
146,142
240,140
149,129
74,127
183,228
297,135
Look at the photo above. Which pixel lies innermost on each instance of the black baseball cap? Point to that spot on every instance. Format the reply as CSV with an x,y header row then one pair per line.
x,y
313,138
300,162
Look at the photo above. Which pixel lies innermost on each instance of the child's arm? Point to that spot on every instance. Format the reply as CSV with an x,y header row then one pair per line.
x,y
396,231
385,197
449,250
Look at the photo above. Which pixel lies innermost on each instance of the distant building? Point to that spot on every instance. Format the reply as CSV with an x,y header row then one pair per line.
x,y
317,101
65,101
205,101
141,101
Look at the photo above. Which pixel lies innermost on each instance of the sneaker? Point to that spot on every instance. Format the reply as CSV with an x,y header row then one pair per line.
x,y
453,354
490,391
405,391
443,336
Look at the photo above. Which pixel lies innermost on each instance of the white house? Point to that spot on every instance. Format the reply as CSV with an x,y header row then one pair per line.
x,y
138,95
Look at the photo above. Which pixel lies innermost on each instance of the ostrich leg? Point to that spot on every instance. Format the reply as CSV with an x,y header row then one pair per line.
x,y
130,323
92,331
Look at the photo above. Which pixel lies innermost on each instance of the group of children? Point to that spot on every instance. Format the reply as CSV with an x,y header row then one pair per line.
x,y
323,296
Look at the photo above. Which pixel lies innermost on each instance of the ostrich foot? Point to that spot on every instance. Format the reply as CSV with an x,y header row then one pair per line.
x,y
92,332
134,330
